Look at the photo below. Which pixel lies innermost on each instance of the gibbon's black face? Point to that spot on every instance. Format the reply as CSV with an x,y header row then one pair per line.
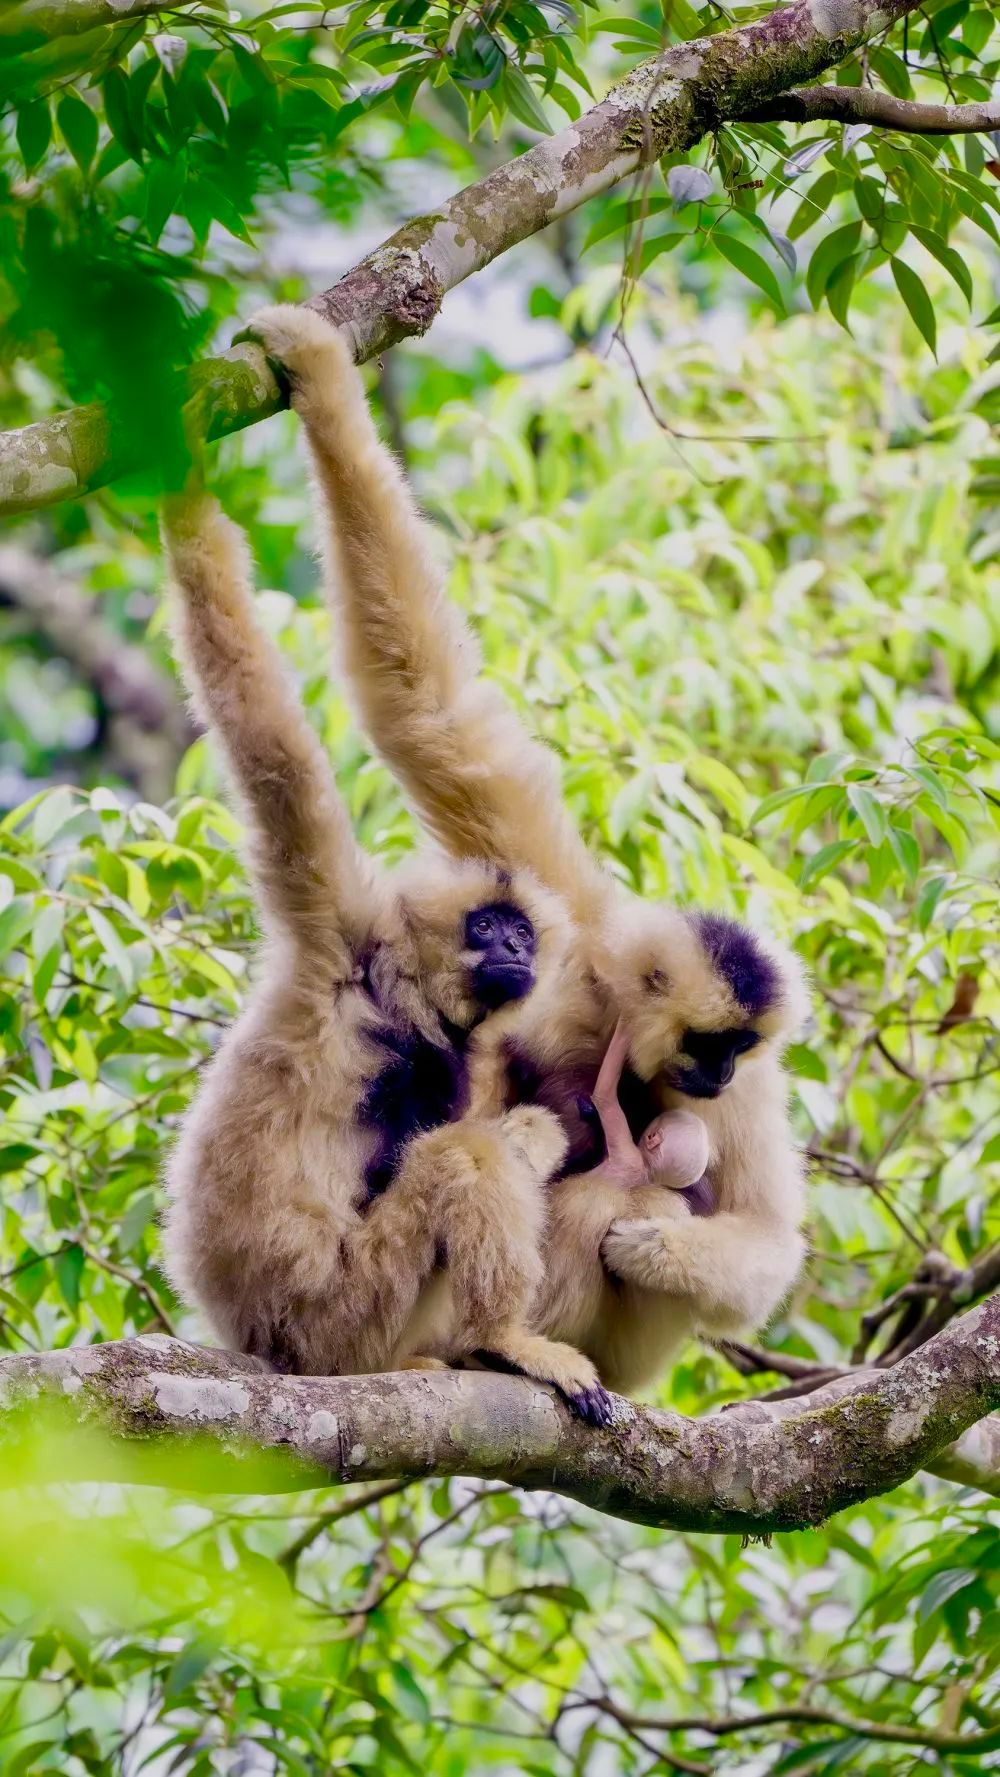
x,y
505,940
708,1058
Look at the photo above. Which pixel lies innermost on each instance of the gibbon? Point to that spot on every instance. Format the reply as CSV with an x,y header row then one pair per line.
x,y
660,1176
327,1170
706,1004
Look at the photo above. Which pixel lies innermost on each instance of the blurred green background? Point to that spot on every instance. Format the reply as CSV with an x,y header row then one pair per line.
x,y
742,576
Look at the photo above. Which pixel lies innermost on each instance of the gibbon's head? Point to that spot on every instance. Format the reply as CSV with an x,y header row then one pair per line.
x,y
699,993
675,1147
485,937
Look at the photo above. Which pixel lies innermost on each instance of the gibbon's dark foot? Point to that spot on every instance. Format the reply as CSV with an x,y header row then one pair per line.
x,y
593,1405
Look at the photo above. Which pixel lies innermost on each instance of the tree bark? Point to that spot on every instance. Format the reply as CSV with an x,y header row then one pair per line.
x,y
757,1468
666,104
863,104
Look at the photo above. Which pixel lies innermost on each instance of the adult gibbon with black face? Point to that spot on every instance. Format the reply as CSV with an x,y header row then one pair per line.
x,y
327,1169
707,1006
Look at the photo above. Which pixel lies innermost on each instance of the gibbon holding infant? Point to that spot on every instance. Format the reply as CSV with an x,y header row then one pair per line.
x,y
311,1217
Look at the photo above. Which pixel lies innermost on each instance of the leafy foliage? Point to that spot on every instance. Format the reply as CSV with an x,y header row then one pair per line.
x,y
746,587
770,671
126,147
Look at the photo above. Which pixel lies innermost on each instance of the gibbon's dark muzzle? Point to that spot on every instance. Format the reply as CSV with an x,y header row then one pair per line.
x,y
694,1085
498,982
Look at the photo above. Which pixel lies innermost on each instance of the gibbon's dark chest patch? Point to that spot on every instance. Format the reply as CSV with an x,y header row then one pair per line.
x,y
420,1086
566,1093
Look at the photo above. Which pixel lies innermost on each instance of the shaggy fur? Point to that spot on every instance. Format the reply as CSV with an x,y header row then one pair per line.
x,y
277,1227
484,788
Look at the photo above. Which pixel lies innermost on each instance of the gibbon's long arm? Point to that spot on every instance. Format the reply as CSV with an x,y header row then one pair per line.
x,y
481,784
316,882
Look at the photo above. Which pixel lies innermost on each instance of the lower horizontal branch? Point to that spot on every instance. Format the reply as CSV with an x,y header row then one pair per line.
x,y
761,1467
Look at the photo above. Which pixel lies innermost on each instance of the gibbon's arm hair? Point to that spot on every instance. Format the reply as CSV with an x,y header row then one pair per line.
x,y
316,884
480,783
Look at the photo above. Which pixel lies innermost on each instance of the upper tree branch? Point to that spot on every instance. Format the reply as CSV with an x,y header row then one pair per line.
x,y
666,104
755,1469
862,104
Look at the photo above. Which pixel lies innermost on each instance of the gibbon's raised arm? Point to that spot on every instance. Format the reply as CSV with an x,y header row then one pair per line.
x,y
316,883
480,783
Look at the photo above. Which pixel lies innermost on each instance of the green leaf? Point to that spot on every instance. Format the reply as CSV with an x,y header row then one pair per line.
x,y
16,921
79,126
840,289
15,1155
58,807
115,952
779,799
928,777
943,1586
906,851
522,101
824,860
914,294
34,132
870,813
137,1218
164,184
831,252
68,1266
928,899
116,108
750,265
945,256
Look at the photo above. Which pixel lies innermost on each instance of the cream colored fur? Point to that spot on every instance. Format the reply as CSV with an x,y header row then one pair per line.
x,y
268,1230
485,788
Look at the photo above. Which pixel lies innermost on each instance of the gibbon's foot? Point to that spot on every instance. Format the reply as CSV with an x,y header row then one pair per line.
x,y
419,1362
565,1369
593,1405
539,1136
298,340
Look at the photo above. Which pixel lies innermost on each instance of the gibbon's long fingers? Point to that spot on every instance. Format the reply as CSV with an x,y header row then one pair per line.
x,y
511,1349
315,881
735,1269
482,785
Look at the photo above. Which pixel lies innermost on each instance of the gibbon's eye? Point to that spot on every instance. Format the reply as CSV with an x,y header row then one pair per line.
x,y
657,981
483,926
523,932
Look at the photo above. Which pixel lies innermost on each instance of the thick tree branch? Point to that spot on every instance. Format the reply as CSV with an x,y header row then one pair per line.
x,y
668,103
757,1468
862,104
28,24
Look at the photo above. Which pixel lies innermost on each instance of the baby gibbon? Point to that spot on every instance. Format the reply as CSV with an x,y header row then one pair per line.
x,y
707,1005
629,1332
327,1168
